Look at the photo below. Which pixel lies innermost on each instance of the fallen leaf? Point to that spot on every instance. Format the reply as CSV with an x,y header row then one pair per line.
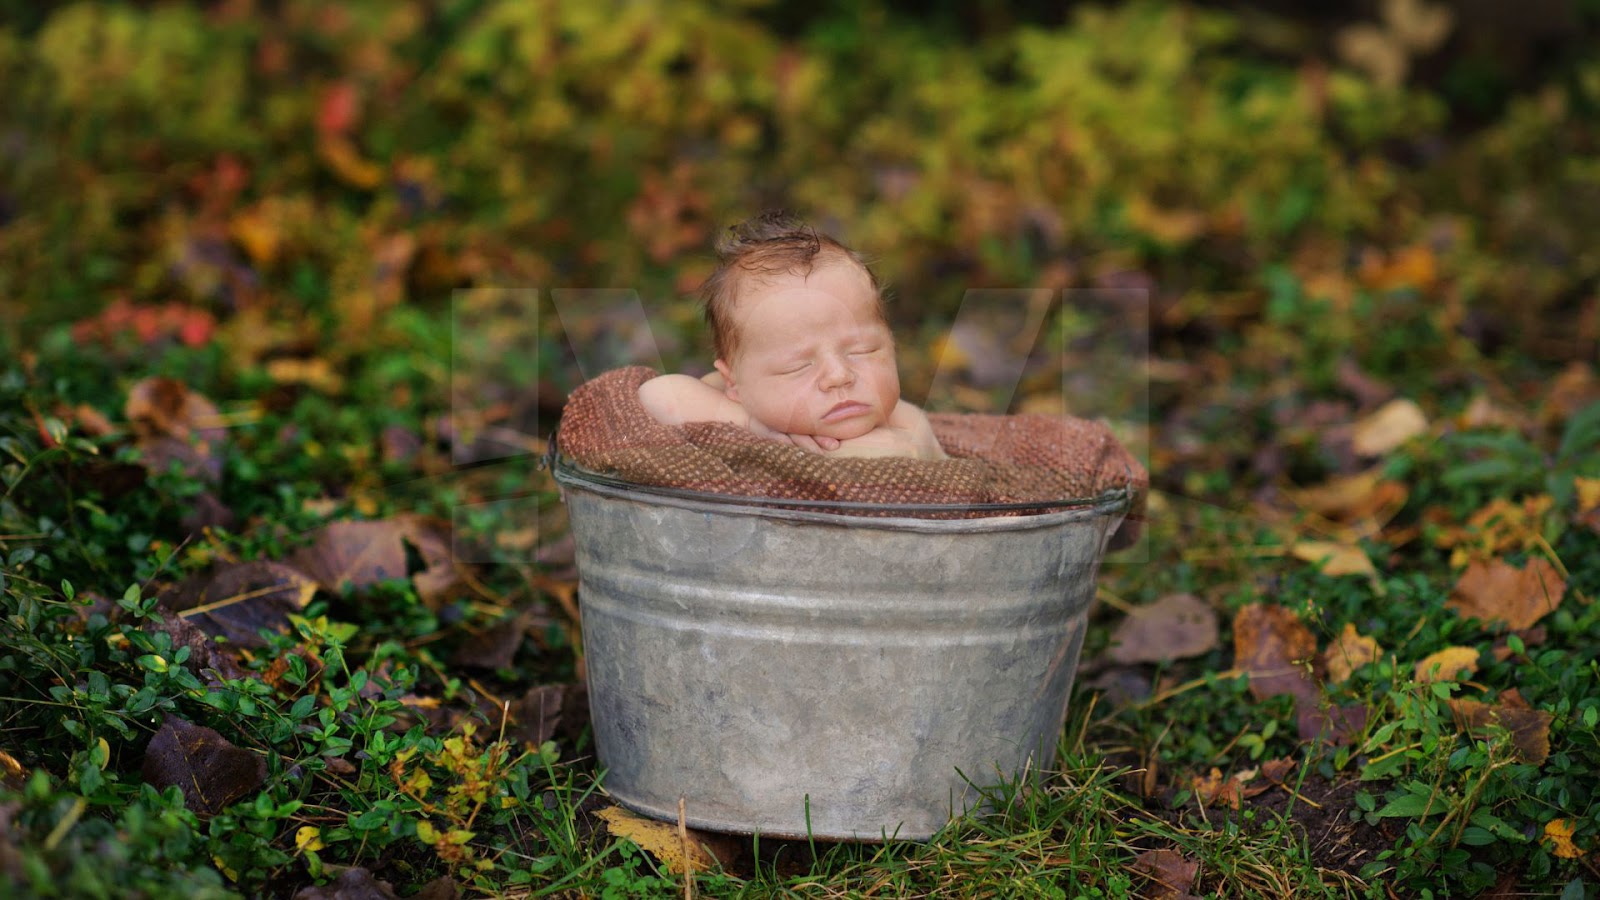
x,y
1572,390
1335,559
1213,790
1336,725
359,554
1500,592
1176,626
173,423
1391,425
496,646
1172,872
12,774
1275,770
211,772
535,717
1349,652
205,654
1588,492
1448,665
1529,728
352,884
661,840
315,373
1271,644
342,158
1365,498
1558,835
240,600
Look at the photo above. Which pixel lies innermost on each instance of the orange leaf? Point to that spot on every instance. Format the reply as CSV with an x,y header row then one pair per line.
x,y
1558,835
1271,644
1349,652
1448,664
1500,592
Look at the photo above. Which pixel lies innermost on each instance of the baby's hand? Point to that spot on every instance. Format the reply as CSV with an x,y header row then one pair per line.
x,y
887,441
816,443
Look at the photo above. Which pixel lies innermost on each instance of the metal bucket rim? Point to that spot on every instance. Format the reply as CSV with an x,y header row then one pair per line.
x,y
1112,502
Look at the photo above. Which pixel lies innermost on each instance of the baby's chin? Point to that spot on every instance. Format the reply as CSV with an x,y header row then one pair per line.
x,y
848,429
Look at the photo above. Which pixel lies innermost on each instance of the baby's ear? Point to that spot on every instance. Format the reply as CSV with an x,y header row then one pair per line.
x,y
730,389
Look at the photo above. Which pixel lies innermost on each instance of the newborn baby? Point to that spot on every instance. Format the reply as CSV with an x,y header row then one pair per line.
x,y
804,352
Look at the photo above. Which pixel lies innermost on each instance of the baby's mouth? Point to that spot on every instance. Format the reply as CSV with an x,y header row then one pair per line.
x,y
849,409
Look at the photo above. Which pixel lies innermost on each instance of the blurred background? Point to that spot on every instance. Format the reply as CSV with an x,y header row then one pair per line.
x,y
1398,193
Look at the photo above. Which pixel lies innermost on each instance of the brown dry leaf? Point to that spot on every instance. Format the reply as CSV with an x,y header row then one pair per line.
x,y
1337,726
1390,426
1483,412
1558,837
1500,526
1529,728
1271,644
240,600
1336,559
535,717
1365,499
360,554
1275,770
661,840
1448,665
1176,626
171,423
1500,592
1172,872
211,772
352,884
1349,652
1572,390
204,653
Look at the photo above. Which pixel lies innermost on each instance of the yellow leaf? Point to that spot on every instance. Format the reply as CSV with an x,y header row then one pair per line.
x,y
223,867
1349,652
1391,425
1448,665
346,162
308,838
659,839
426,833
1588,494
1340,559
315,373
1558,834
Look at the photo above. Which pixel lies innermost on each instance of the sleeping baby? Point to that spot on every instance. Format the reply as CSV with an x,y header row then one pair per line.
x,y
804,351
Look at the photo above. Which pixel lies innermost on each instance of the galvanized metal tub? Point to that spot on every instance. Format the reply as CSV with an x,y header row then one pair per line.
x,y
799,672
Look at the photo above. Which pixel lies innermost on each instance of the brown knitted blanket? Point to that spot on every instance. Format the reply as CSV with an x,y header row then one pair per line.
x,y
994,459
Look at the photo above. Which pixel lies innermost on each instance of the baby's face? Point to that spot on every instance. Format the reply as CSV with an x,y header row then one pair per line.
x,y
813,357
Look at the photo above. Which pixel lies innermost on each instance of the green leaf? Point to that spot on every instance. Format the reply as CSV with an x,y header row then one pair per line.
x,y
1573,890
1410,806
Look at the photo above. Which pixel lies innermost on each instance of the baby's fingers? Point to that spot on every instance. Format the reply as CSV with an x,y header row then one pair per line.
x,y
804,442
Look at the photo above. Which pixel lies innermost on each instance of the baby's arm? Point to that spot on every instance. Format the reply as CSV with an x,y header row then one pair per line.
x,y
676,399
907,433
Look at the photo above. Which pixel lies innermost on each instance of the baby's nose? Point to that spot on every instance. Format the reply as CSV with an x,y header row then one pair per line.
x,y
836,372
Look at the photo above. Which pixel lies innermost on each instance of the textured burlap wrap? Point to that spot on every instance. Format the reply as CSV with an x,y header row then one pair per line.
x,y
994,459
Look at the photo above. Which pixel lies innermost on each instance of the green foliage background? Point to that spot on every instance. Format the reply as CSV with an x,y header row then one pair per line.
x,y
318,179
